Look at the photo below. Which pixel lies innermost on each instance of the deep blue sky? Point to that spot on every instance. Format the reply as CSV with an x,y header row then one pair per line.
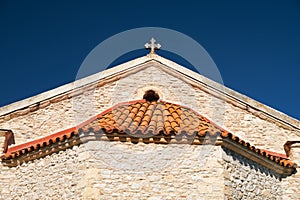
x,y
255,44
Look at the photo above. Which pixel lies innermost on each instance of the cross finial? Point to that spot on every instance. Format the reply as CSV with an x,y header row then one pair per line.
x,y
152,45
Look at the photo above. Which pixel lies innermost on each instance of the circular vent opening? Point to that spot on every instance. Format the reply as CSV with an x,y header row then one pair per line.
x,y
151,95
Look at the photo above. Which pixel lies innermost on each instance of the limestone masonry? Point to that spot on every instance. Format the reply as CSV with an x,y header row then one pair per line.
x,y
97,164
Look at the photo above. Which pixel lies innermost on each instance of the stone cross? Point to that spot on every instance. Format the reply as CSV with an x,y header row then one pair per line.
x,y
152,45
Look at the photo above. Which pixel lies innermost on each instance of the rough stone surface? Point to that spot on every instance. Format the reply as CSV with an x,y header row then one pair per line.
x,y
60,113
291,186
143,171
71,111
115,170
245,179
245,124
53,177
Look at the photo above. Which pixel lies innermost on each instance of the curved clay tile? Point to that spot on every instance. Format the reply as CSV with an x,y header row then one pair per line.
x,y
143,119
153,118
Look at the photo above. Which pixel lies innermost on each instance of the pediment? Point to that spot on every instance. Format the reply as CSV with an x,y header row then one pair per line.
x,y
157,122
165,121
116,73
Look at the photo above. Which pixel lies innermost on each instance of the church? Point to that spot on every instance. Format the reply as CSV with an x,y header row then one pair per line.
x,y
147,129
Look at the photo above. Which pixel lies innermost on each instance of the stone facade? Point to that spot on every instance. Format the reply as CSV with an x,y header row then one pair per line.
x,y
245,179
115,170
54,177
71,109
151,171
91,176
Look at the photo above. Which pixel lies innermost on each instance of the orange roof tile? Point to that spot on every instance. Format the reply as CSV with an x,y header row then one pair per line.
x,y
142,119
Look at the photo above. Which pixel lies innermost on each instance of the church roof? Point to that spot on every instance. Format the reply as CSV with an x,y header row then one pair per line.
x,y
143,121
25,106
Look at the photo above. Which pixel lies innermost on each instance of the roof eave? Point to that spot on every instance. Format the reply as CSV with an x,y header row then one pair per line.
x,y
275,167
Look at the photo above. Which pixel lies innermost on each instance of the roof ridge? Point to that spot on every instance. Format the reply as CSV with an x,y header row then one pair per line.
x,y
132,64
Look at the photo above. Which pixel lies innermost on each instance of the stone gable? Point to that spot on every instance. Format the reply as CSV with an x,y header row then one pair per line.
x,y
74,103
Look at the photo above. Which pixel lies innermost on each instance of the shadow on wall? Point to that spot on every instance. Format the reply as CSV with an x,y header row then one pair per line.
x,y
255,167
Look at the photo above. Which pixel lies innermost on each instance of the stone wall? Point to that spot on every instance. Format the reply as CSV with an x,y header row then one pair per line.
x,y
53,177
54,115
251,126
70,109
7,175
245,179
291,186
153,171
115,170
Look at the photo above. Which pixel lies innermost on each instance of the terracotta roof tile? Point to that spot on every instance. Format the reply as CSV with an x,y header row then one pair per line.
x,y
140,119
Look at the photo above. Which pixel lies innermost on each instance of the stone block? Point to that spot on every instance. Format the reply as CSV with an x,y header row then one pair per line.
x,y
92,193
